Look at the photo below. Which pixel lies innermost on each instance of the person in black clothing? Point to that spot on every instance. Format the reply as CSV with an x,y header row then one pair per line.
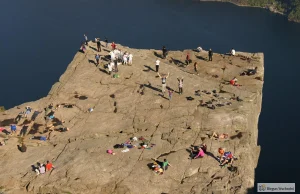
x,y
249,72
22,148
24,130
98,45
106,42
164,51
210,54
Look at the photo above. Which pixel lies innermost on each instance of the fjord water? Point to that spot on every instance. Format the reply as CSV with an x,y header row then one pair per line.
x,y
40,38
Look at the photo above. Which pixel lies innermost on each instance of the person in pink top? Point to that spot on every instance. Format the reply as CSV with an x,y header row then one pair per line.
x,y
200,154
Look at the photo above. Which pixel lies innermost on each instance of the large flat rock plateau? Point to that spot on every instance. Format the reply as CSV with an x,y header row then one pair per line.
x,y
132,106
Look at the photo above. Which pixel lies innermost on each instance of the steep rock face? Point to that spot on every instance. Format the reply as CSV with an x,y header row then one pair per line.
x,y
130,106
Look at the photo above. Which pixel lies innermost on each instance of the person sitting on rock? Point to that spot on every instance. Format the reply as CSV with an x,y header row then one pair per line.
x,y
249,72
221,152
227,159
165,164
233,82
232,52
42,169
82,48
49,166
199,49
200,153
219,136
203,146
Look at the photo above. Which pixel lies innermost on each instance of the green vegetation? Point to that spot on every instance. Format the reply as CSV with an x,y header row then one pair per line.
x,y
289,7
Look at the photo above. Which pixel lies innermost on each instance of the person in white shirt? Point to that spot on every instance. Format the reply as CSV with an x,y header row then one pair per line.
x,y
110,66
117,53
112,55
199,49
125,57
232,52
130,59
157,64
86,39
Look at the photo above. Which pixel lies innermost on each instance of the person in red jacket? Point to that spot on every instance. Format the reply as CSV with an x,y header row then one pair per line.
x,y
49,166
113,45
187,59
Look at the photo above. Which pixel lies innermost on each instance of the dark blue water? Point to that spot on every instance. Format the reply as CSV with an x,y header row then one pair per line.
x,y
40,38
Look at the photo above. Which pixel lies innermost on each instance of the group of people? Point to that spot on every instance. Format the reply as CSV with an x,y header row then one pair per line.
x,y
225,157
43,168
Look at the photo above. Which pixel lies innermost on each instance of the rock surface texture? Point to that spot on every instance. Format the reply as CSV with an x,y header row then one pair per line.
x,y
132,106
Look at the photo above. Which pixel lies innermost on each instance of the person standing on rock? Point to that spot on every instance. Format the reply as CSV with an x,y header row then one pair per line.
x,y
210,54
157,65
170,94
163,82
86,39
113,46
98,45
97,57
164,51
106,42
13,128
196,67
110,66
187,59
125,57
180,84
130,56
23,130
116,66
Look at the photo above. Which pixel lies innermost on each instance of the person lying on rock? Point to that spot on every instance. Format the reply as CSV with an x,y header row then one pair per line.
x,y
63,129
249,72
157,168
219,136
28,110
165,164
